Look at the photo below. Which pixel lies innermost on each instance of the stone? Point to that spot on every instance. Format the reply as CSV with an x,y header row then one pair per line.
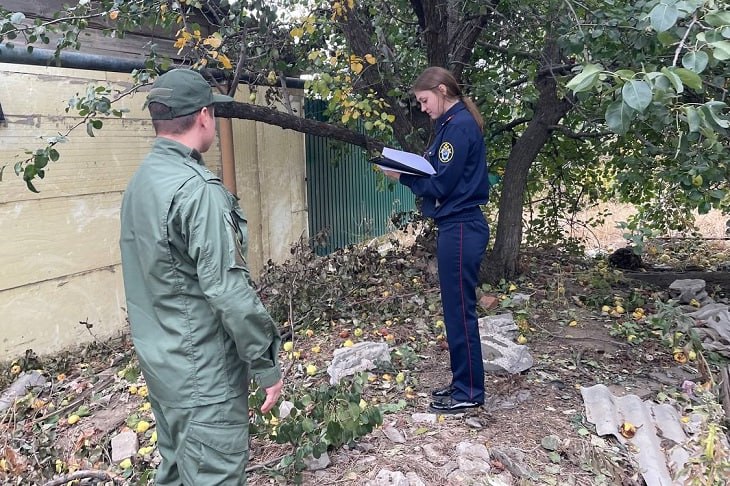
x,y
21,386
501,355
394,434
317,463
503,324
388,478
520,299
473,459
514,461
414,479
433,454
124,445
360,357
474,423
488,302
499,351
473,451
550,442
424,418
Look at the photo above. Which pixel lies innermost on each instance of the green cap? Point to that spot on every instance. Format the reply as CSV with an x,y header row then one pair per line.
x,y
183,91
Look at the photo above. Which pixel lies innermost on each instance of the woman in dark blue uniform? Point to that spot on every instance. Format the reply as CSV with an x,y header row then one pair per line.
x,y
452,197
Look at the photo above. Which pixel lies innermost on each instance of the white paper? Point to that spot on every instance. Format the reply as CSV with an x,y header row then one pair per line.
x,y
407,158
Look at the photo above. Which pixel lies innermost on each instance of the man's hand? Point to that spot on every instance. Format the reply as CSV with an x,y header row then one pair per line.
x,y
272,395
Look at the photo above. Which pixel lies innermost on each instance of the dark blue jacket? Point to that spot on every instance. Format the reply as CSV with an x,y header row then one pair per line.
x,y
460,184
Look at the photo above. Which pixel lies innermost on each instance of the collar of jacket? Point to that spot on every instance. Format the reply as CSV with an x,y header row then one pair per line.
x,y
446,117
168,145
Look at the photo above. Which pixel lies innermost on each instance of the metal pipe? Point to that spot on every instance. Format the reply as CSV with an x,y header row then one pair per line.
x,y
67,59
96,62
228,159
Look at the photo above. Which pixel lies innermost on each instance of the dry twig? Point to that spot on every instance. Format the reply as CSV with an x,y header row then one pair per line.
x,y
85,474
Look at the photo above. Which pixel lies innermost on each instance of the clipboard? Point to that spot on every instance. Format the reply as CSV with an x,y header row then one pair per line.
x,y
403,162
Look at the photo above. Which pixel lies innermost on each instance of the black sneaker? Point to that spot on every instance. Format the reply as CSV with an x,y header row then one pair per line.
x,y
443,392
453,406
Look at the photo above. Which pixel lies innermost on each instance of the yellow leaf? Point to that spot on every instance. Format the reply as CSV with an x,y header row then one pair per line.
x,y
346,117
356,66
336,10
142,426
213,41
223,59
628,430
114,14
179,43
350,4
297,32
370,59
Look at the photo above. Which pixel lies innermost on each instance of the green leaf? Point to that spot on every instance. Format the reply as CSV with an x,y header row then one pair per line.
x,y
718,18
619,116
97,124
689,78
663,17
674,79
90,129
695,61
693,118
637,94
721,50
2,169
586,79
31,187
713,108
17,18
53,154
40,160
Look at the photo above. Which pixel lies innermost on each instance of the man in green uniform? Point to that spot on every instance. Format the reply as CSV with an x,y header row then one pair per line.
x,y
198,327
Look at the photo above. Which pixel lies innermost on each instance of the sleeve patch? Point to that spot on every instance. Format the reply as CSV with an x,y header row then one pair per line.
x,y
446,153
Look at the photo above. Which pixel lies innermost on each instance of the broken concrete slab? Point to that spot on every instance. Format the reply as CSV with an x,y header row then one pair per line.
x,y
360,357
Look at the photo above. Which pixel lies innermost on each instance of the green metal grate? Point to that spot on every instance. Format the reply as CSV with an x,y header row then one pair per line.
x,y
343,199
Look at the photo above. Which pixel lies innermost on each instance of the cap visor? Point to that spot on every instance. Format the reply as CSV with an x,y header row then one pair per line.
x,y
219,98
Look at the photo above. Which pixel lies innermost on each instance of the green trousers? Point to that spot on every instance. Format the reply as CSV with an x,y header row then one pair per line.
x,y
202,446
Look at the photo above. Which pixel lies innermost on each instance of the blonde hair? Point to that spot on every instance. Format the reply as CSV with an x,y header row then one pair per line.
x,y
432,77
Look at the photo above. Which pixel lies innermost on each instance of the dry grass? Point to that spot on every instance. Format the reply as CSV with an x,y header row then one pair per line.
x,y
608,236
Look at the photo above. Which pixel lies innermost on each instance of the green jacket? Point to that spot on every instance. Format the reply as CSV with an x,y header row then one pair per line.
x,y
197,324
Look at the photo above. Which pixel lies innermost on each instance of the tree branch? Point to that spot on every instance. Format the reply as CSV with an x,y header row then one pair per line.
x,y
246,111
85,474
578,135
511,125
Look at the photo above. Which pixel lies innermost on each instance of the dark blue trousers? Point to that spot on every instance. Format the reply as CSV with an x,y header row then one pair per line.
x,y
460,248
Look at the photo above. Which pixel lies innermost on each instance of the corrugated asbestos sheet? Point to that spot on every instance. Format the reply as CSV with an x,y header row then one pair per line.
x,y
344,201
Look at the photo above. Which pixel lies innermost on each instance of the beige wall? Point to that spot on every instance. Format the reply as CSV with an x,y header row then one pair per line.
x,y
59,256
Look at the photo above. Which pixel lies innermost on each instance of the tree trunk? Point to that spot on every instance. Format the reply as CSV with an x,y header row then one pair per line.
x,y
503,262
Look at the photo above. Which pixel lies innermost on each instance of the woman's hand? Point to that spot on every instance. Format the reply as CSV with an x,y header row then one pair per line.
x,y
392,174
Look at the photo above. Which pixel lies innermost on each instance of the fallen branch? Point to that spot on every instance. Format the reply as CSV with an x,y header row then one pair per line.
x,y
85,474
102,384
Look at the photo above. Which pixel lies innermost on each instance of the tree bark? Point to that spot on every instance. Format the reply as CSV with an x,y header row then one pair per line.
x,y
503,262
246,111
361,38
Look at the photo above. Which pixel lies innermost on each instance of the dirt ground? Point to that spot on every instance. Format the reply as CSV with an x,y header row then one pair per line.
x,y
573,343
